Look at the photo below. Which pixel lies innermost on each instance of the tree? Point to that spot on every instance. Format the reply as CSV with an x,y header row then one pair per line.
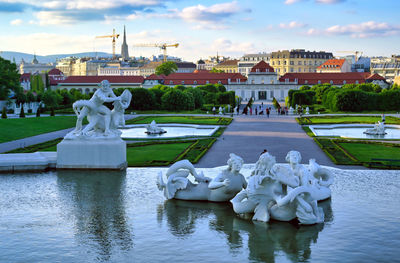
x,y
37,83
214,70
142,99
9,78
175,99
166,68
51,99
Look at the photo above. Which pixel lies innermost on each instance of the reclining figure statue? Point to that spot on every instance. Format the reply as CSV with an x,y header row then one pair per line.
x,y
220,189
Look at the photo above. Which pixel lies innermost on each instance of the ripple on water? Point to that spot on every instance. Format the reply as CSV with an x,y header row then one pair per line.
x,y
102,216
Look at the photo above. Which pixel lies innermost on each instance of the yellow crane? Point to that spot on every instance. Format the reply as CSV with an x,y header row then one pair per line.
x,y
162,46
356,53
113,36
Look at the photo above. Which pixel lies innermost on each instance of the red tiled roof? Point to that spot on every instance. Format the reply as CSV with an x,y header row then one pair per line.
x,y
25,77
155,77
376,76
332,63
201,78
201,71
55,71
262,66
336,78
98,79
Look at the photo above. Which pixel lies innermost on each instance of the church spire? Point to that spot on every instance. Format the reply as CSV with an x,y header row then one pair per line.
x,y
124,48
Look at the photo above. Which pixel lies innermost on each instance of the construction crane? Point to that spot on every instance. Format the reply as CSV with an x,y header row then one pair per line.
x,y
162,46
356,53
113,36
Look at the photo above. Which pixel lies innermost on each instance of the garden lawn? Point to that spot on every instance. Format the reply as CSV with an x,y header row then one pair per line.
x,y
181,119
346,119
14,129
155,154
365,152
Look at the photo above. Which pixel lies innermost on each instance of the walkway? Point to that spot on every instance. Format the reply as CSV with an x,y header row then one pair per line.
x,y
248,136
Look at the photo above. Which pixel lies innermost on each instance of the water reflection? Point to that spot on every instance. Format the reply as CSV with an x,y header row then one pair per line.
x,y
264,240
95,203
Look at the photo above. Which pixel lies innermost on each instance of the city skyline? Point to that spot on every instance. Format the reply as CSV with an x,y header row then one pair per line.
x,y
231,28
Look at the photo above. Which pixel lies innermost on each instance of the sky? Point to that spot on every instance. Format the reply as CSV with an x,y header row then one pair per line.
x,y
202,28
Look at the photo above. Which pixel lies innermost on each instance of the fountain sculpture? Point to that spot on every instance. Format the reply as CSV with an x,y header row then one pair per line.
x,y
379,129
153,128
99,144
220,189
273,190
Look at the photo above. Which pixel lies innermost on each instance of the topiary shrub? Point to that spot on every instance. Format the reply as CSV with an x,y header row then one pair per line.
x,y
175,100
143,99
38,112
22,113
4,113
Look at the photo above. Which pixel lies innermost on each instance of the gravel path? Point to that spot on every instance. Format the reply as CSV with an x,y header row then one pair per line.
x,y
248,136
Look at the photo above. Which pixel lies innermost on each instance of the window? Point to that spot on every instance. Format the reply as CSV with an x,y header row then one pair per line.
x,y
219,82
195,82
262,95
183,82
299,62
356,81
319,82
344,82
291,62
291,70
331,82
306,82
171,82
207,82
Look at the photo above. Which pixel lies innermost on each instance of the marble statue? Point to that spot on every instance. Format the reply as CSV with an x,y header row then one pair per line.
x,y
235,110
291,110
307,110
285,193
222,188
220,111
153,128
102,121
379,129
98,145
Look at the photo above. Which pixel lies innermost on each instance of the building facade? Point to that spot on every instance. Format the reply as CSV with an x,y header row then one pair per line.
x,y
228,66
247,62
298,61
34,67
389,68
334,66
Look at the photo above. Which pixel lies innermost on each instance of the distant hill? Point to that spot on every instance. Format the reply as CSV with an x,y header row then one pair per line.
x,y
10,55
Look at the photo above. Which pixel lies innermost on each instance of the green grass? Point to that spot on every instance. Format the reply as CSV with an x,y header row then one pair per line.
x,y
166,153
387,153
49,146
334,152
181,119
346,119
14,129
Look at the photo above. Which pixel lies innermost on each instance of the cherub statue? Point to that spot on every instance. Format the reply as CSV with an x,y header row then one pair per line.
x,y
222,188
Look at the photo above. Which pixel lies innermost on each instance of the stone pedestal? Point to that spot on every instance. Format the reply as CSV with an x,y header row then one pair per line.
x,y
92,154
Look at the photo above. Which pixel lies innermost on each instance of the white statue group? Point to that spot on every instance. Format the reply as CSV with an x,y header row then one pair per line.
x,y
103,122
273,191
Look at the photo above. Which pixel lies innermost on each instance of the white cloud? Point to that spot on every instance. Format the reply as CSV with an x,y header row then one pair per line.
x,y
362,30
232,48
207,17
290,2
16,22
291,25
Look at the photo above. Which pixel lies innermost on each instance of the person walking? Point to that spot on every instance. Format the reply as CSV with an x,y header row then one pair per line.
x,y
268,112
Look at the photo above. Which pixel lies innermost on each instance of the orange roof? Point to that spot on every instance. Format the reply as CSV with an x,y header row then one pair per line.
x,y
262,66
202,78
376,76
332,63
98,79
336,78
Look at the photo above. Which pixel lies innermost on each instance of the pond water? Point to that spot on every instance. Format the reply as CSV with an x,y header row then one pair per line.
x,y
172,131
69,216
355,131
